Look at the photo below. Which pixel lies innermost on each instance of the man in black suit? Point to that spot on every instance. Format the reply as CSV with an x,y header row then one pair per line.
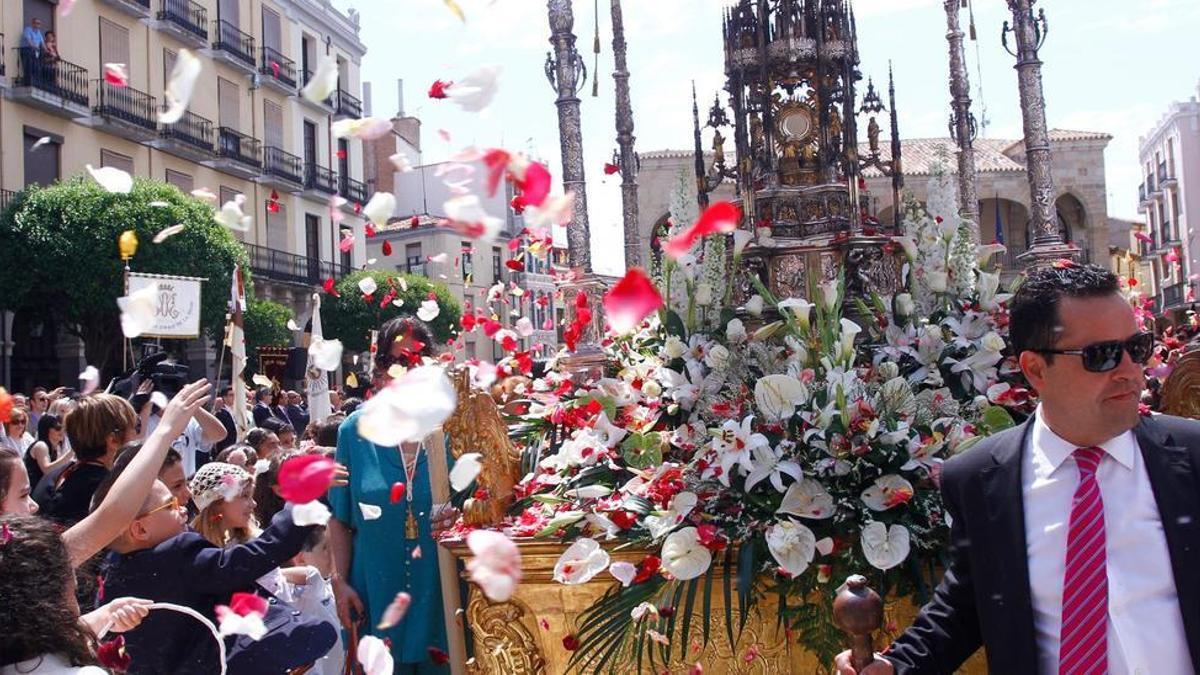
x,y
225,414
262,406
1075,537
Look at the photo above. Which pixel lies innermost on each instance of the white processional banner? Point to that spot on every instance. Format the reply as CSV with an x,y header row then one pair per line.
x,y
176,305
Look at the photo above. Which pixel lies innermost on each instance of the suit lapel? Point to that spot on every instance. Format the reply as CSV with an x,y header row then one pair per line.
x,y
1009,575
1173,482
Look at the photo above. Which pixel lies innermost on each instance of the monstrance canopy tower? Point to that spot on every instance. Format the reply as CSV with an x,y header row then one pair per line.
x,y
792,70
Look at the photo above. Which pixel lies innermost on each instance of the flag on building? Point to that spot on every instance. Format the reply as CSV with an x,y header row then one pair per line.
x,y
999,222
237,348
316,380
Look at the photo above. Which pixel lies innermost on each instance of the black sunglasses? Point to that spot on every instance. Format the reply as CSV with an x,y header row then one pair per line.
x,y
1101,357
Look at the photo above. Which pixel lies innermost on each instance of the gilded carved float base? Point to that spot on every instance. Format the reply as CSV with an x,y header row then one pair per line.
x,y
524,636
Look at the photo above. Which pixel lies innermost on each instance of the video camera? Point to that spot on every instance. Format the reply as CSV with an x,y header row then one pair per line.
x,y
158,367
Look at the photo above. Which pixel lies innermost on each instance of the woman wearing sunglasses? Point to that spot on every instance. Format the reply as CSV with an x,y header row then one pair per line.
x,y
1077,533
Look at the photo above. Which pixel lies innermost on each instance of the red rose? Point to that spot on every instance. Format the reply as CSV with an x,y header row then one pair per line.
x,y
570,643
647,568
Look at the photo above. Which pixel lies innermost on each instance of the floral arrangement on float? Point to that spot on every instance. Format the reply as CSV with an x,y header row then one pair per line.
x,y
772,449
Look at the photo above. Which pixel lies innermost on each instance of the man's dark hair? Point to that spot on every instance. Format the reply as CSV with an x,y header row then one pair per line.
x,y
1033,311
224,391
262,393
276,426
325,432
256,437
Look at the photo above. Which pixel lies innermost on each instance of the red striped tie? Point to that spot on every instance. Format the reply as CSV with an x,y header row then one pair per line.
x,y
1083,648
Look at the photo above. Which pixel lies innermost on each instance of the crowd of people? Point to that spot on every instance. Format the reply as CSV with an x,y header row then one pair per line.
x,y
111,506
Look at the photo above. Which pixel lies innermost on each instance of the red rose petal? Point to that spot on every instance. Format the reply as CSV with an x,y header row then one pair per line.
x,y
536,186
515,265
570,643
6,405
438,89
305,478
496,161
630,301
439,657
720,218
331,288
245,604
369,229
397,494
610,169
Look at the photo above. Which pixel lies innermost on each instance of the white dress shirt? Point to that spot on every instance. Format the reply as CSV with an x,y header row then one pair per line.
x,y
1145,625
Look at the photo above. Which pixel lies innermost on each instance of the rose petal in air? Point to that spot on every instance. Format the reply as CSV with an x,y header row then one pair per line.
x,y
179,87
138,310
720,218
89,379
409,408
168,232
428,311
370,511
305,478
495,563
312,513
112,179
630,301
380,208
326,354
367,128
466,468
323,82
395,612
116,74
374,656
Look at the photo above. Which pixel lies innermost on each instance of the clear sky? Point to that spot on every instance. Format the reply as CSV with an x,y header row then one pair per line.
x,y
1110,65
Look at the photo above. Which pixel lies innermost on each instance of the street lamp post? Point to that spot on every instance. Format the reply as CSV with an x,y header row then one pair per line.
x,y
627,158
1029,32
962,122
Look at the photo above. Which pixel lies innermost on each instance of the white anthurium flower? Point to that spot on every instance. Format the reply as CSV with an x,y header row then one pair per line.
x,y
602,523
138,310
799,308
579,563
830,294
807,499
683,556
754,306
662,523
409,408
776,396
608,433
380,208
325,354
112,179
769,464
735,331
885,547
792,545
367,285
740,239
734,443
887,492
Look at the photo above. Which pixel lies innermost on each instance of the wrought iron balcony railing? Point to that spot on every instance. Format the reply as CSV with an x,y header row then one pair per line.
x,y
234,42
238,147
414,264
1151,185
6,197
347,104
319,178
353,190
289,267
126,104
192,129
187,16
282,164
278,66
58,77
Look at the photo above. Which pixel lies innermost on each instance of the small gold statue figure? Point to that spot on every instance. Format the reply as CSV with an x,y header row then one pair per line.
x,y
873,135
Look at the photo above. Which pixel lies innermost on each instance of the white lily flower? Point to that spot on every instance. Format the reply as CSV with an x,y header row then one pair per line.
x,y
769,464
734,443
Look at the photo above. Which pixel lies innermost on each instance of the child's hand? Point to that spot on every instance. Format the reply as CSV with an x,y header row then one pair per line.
x,y
185,404
118,616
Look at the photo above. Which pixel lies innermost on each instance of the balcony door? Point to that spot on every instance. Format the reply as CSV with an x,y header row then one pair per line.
x,y
229,12
343,155
312,246
273,121
310,143
39,9
114,43
42,163
272,30
277,236
229,104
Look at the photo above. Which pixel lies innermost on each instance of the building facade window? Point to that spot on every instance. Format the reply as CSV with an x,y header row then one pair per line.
x,y
414,263
116,160
227,194
468,261
497,265
180,180
114,43
229,104
43,162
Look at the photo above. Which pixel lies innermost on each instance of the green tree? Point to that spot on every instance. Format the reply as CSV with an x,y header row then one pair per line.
x,y
59,256
265,323
351,317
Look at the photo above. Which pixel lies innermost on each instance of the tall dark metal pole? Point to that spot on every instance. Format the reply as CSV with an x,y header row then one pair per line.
x,y
1029,32
625,138
962,122
566,71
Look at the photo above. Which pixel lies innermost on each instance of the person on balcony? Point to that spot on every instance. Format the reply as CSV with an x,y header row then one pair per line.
x,y
32,43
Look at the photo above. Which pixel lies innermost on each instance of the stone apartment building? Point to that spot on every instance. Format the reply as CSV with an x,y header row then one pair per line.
x,y
247,131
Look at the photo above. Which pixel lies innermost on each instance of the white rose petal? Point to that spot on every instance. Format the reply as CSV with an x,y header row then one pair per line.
x,y
428,311
475,92
89,379
326,354
370,511
579,563
262,466
400,161
232,623
112,179
495,564
380,208
885,547
367,128
374,656
138,310
324,81
409,408
623,572
466,468
368,285
178,91
312,513
683,556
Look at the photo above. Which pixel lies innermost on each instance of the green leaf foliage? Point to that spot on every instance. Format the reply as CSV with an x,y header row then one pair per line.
x,y
642,451
351,317
59,256
265,323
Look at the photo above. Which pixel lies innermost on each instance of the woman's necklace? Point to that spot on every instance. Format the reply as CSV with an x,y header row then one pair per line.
x,y
410,524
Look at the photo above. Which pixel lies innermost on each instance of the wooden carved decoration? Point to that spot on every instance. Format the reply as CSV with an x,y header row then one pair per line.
x,y
503,643
1181,391
477,426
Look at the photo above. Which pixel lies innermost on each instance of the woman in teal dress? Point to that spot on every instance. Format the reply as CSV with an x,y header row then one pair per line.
x,y
369,533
